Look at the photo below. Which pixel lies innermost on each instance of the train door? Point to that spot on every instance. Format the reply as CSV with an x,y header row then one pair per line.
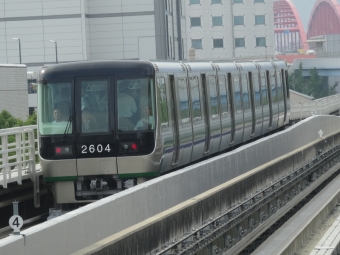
x,y
246,106
225,106
258,121
287,94
166,132
205,106
265,103
214,114
239,121
175,127
184,119
231,107
270,100
94,139
198,123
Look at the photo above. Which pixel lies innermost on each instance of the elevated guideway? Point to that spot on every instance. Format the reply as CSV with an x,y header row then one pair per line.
x,y
152,215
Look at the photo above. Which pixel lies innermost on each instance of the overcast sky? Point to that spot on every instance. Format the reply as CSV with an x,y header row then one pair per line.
x,y
304,8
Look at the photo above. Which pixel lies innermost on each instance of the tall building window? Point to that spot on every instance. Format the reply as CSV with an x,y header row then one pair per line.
x,y
217,21
261,42
216,1
238,1
194,1
240,42
238,20
218,43
260,19
195,22
196,43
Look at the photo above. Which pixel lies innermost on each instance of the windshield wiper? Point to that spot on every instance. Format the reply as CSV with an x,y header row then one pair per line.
x,y
67,128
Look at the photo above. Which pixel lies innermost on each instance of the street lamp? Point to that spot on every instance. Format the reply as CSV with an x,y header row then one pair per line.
x,y
56,51
19,47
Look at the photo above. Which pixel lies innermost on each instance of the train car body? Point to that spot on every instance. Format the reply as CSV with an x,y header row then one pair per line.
x,y
106,125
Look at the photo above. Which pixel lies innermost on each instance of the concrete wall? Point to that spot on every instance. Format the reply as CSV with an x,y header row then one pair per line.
x,y
13,90
82,227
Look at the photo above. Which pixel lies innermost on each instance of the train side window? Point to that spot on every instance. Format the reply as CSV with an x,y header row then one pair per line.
x,y
213,97
163,105
245,92
183,98
237,93
223,96
257,91
279,86
196,99
265,100
273,87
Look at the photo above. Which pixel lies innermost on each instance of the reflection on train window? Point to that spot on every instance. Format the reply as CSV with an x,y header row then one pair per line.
x,y
257,91
237,93
163,109
56,100
245,92
264,89
273,87
183,100
134,95
196,99
213,97
94,105
223,96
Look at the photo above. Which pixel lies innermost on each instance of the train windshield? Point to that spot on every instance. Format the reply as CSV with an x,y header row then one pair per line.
x,y
55,116
135,107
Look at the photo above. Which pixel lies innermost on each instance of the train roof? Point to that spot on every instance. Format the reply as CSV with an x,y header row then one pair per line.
x,y
96,68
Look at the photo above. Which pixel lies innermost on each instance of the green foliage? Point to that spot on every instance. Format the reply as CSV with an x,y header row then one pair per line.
x,y
314,85
8,121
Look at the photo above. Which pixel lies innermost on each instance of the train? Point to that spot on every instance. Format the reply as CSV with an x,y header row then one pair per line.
x,y
105,126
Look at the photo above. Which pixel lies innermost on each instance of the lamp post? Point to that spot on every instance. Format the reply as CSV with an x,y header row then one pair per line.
x,y
56,51
19,48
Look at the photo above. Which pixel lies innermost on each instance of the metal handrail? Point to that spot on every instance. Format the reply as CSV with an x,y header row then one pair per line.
x,y
18,157
301,109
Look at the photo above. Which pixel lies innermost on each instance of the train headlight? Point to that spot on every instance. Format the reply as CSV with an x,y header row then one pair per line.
x,y
63,150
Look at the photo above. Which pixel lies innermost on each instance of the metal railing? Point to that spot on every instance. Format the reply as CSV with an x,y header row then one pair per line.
x,y
18,157
301,109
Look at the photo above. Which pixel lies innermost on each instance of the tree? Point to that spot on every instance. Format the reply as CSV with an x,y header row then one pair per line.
x,y
314,85
9,121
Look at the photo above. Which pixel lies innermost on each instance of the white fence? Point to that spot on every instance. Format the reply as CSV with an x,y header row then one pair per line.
x,y
18,152
301,109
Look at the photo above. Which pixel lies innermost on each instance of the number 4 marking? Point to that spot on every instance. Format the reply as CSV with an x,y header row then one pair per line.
x,y
16,222
107,148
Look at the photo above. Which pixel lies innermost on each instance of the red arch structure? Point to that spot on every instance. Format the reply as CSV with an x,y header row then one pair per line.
x,y
325,18
289,31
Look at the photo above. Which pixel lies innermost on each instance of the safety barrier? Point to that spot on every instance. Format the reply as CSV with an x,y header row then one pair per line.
x,y
301,109
18,157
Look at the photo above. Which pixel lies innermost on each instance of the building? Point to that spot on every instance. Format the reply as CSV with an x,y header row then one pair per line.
x,y
89,30
13,90
48,32
220,29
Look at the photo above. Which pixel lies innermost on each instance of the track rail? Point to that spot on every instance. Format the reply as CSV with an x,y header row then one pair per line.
x,y
272,200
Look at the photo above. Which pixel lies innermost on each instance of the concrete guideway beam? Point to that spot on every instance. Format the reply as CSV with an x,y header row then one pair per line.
x,y
101,219
177,222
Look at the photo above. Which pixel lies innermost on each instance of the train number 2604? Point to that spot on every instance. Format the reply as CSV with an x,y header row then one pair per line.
x,y
99,148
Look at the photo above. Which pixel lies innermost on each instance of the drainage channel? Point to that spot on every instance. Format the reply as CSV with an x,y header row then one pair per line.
x,y
244,227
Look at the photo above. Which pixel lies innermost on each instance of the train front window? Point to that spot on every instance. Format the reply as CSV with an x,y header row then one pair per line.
x,y
55,111
135,104
94,105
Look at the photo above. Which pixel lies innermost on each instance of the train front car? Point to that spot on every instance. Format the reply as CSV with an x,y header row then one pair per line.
x,y
97,126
